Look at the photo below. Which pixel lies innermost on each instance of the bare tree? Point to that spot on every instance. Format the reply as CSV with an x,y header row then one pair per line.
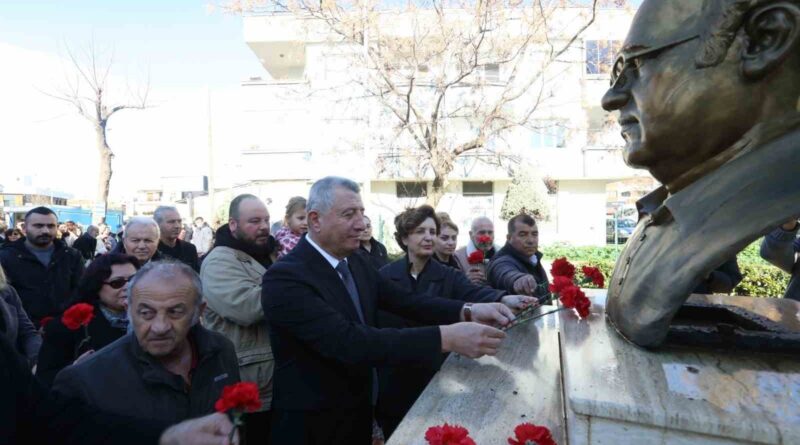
x,y
452,76
86,88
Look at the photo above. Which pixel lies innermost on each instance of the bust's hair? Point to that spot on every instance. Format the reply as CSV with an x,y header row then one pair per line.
x,y
716,43
410,219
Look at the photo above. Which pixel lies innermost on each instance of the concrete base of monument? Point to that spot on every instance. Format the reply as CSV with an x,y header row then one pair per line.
x,y
589,386
492,395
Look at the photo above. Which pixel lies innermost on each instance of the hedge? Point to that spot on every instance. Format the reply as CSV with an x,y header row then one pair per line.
x,y
759,277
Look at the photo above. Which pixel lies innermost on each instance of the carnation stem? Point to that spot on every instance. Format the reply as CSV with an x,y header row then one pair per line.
x,y
519,321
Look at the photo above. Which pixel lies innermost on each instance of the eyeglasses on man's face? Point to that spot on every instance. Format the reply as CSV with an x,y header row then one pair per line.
x,y
632,60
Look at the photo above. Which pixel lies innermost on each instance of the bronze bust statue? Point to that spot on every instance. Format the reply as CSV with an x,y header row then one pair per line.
x,y
708,93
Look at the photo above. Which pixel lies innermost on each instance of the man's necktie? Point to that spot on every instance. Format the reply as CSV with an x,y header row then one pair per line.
x,y
350,284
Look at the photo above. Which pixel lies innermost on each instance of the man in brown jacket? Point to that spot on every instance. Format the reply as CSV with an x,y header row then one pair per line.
x,y
231,275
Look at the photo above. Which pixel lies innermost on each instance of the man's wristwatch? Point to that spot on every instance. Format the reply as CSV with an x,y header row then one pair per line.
x,y
468,312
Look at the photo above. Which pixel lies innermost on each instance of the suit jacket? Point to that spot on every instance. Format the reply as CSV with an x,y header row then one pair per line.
x,y
686,235
324,354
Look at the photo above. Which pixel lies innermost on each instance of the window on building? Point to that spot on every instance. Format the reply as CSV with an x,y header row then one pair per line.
x,y
600,55
491,72
549,134
412,189
625,194
477,188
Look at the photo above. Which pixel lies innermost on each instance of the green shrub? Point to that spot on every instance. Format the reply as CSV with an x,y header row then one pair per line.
x,y
760,279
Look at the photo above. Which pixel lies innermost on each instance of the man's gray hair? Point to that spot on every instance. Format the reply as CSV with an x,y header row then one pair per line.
x,y
168,269
141,221
480,219
158,214
320,198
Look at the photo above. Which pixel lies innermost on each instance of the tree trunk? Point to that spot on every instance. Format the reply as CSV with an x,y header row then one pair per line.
x,y
105,156
442,163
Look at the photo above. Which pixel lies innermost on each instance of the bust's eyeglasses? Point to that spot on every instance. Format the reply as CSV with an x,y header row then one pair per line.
x,y
118,282
634,60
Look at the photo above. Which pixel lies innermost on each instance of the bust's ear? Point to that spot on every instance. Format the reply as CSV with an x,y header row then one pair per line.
x,y
772,33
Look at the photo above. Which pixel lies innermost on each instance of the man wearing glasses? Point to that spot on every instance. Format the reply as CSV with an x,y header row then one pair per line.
x,y
707,93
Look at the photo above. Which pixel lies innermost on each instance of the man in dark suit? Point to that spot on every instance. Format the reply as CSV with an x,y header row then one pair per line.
x,y
321,302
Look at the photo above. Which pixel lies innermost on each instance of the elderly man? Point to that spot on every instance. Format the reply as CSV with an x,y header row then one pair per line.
x,y
30,414
321,301
517,267
169,368
169,225
231,275
481,237
140,238
43,270
707,94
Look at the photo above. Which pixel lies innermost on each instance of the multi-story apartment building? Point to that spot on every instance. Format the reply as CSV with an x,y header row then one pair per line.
x,y
304,119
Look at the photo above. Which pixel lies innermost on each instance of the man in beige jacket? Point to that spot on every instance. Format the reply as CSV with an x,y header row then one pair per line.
x,y
231,275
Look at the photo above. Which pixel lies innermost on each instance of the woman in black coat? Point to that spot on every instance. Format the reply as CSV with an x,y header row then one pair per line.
x,y
417,228
18,328
102,285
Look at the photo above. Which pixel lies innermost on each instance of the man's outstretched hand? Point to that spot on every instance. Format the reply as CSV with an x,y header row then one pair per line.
x,y
492,314
471,339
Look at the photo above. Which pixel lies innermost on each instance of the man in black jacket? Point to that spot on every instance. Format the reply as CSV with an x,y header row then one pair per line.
x,y
517,267
321,302
86,244
43,270
170,368
170,224
29,414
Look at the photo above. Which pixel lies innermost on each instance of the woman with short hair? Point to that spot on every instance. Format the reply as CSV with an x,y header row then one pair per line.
x,y
416,229
104,286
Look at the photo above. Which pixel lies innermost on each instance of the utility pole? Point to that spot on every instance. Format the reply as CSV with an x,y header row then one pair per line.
x,y
211,204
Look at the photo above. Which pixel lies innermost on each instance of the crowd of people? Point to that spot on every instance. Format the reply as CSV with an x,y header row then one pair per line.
x,y
339,340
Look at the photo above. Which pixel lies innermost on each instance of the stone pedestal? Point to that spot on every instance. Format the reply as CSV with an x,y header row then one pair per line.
x,y
617,393
492,395
589,386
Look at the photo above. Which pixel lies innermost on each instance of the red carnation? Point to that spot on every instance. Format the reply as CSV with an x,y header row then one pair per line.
x,y
594,274
448,435
559,284
476,257
530,434
240,397
485,241
78,315
582,305
573,298
562,268
43,322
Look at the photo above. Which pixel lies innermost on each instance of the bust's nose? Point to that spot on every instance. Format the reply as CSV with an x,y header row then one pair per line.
x,y
615,98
